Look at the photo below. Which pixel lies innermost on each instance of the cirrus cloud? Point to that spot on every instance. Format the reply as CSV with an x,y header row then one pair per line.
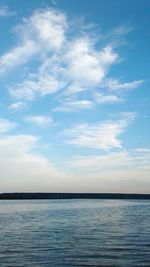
x,y
99,135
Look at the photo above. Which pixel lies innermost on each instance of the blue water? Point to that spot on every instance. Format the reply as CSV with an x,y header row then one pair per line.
x,y
74,233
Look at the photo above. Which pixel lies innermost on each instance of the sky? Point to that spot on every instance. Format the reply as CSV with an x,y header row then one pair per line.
x,y
74,98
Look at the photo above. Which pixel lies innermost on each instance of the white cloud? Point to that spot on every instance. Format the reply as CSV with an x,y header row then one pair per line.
x,y
132,159
75,88
6,125
20,143
42,32
102,99
65,71
113,84
17,56
39,120
47,27
38,85
24,170
63,61
108,56
74,105
31,172
128,116
100,162
100,135
126,171
143,150
5,12
85,64
17,106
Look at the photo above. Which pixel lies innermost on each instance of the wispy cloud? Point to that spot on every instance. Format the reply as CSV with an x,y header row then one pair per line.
x,y
65,71
102,99
100,162
5,12
125,160
17,106
100,135
17,56
124,171
65,61
72,64
30,171
41,33
6,125
39,120
114,84
38,85
74,105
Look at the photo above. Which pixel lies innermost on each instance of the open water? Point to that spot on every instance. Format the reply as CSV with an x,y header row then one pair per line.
x,y
61,233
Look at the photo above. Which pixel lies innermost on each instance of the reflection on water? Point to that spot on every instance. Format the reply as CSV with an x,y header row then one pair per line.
x,y
60,233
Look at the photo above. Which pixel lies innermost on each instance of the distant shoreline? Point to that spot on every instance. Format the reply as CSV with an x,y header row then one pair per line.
x,y
22,196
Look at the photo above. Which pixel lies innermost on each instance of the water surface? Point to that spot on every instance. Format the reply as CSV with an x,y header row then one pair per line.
x,y
60,233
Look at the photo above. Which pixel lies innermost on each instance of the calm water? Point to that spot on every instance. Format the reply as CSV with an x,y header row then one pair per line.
x,y
74,233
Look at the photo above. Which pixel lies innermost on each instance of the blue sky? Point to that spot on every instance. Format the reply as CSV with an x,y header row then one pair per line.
x,y
74,99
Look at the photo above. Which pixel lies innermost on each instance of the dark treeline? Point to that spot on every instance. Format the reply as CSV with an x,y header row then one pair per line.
x,y
73,196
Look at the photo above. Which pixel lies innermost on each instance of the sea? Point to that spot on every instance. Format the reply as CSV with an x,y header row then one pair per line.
x,y
69,233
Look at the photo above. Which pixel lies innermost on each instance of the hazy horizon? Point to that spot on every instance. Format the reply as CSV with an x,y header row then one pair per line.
x,y
74,79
